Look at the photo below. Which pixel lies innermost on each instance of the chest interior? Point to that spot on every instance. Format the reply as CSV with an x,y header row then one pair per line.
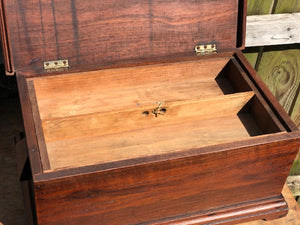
x,y
127,113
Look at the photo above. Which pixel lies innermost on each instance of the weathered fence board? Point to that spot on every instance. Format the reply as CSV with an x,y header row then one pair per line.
x,y
294,184
275,29
277,67
280,70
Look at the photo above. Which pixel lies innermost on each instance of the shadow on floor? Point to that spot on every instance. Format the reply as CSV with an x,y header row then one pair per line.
x,y
11,200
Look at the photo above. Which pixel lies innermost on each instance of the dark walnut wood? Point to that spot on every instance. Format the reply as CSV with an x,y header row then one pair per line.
x,y
102,32
139,130
181,190
225,181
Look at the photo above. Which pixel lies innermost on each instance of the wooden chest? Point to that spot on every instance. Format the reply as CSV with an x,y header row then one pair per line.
x,y
144,112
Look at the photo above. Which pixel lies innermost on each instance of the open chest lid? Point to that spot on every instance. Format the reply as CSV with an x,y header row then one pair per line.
x,y
81,34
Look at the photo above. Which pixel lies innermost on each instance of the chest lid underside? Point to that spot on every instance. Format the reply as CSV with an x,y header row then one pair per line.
x,y
94,33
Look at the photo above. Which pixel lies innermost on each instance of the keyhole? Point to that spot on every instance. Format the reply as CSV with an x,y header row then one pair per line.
x,y
145,113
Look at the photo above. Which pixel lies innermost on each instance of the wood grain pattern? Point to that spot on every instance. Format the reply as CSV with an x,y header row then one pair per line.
x,y
265,101
275,29
290,73
158,186
165,79
238,213
292,6
134,118
111,126
281,72
154,140
293,216
33,153
160,190
268,96
116,89
12,210
126,30
273,63
42,149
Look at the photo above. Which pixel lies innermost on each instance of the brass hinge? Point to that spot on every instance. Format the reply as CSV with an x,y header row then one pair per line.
x,y
57,65
206,49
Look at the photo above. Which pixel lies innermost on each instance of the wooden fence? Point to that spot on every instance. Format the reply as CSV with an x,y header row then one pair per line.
x,y
274,51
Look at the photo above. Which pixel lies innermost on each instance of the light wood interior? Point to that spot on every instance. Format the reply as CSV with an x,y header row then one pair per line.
x,y
125,113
